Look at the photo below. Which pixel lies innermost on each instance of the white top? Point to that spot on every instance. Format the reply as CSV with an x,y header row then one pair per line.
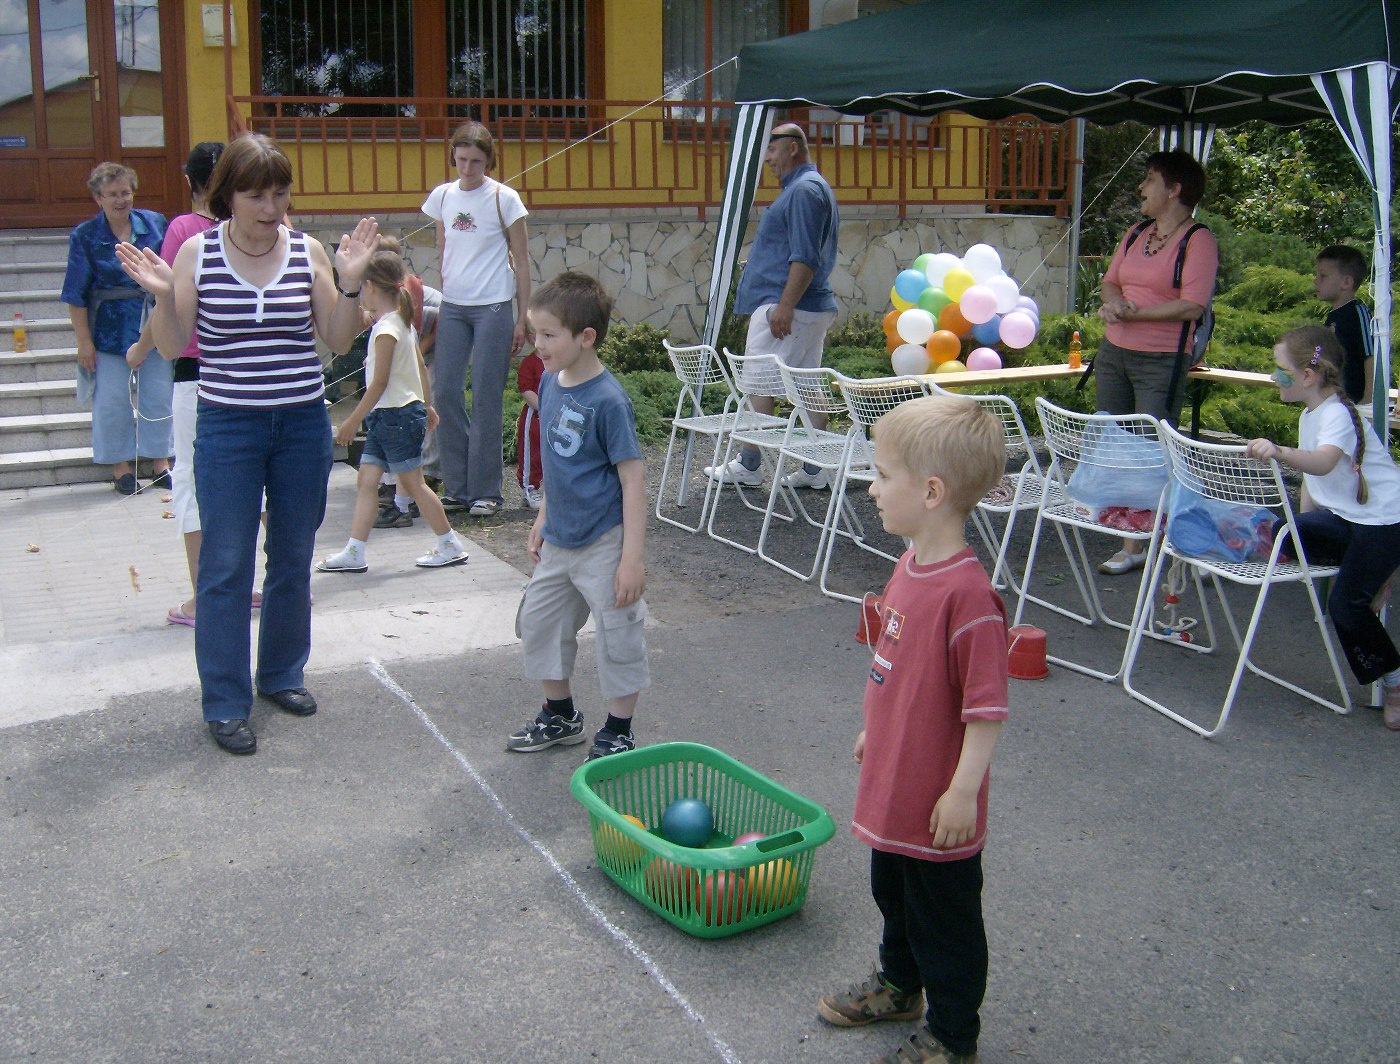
x,y
1330,423
404,386
475,269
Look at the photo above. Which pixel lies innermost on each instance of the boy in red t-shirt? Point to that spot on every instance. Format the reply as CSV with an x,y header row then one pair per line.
x,y
529,474
934,704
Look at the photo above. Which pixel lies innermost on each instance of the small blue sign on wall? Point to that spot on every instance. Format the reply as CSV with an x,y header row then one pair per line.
x,y
14,142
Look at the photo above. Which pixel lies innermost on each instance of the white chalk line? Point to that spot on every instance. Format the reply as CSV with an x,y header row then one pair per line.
x,y
622,937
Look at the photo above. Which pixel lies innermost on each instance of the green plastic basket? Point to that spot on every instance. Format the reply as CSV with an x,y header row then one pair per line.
x,y
720,889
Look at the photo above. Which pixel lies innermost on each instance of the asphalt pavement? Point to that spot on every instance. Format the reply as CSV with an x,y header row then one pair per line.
x,y
384,882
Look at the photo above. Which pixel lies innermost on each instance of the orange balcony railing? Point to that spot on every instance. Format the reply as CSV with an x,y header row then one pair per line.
x,y
358,153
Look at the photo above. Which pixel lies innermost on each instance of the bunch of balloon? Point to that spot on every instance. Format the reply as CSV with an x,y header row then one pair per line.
x,y
943,300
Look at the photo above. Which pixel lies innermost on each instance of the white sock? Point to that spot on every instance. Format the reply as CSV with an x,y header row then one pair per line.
x,y
448,542
1391,679
403,502
356,547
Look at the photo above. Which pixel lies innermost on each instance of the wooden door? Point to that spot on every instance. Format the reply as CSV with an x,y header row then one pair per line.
x,y
90,81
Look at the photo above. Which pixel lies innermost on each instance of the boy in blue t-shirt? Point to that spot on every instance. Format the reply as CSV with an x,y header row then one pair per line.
x,y
589,538
1338,273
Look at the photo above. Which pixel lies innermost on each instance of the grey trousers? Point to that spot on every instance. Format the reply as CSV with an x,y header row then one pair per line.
x,y
469,447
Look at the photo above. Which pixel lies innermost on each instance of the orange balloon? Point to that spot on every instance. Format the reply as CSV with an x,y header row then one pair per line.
x,y
943,346
891,342
891,320
951,318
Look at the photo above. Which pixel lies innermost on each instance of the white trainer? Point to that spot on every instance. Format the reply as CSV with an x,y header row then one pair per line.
x,y
533,497
735,473
817,481
438,558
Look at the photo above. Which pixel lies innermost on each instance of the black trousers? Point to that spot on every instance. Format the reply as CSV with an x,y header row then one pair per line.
x,y
1367,554
934,939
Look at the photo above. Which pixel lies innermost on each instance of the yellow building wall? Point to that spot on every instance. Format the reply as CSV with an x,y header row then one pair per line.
x,y
204,66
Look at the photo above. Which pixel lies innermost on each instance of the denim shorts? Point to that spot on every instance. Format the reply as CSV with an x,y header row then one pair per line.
x,y
394,437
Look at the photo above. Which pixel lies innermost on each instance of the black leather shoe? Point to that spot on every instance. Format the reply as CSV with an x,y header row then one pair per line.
x,y
234,736
294,700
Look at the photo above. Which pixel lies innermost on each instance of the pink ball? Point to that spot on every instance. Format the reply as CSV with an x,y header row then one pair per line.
x,y
978,304
1017,329
983,358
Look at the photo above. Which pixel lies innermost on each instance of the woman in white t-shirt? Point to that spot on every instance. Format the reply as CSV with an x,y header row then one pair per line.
x,y
1350,506
480,231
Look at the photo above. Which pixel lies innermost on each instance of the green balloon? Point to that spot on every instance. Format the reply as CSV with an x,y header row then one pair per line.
x,y
921,263
934,300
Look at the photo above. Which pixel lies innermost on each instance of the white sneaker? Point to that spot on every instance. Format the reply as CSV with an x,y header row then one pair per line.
x,y
344,562
735,473
437,558
533,496
817,481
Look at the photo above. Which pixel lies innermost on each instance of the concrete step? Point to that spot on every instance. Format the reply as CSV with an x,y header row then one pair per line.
x,y
44,334
54,363
37,432
34,245
43,468
33,303
25,398
24,276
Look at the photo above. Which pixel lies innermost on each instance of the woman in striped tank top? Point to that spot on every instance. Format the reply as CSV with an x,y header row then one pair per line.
x,y
255,295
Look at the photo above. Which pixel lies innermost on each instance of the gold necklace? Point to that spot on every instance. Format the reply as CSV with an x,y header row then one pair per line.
x,y
250,254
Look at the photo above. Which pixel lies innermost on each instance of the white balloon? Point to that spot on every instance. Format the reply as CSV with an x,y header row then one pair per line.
x,y
1006,290
982,261
909,359
915,326
938,267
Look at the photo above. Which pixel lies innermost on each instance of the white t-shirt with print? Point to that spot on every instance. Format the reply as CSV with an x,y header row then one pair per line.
x,y
1330,423
475,267
404,385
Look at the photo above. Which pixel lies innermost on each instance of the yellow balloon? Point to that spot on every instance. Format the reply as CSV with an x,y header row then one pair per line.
x,y
900,303
957,281
951,366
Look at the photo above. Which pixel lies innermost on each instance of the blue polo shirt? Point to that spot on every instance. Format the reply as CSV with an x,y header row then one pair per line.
x,y
92,264
800,226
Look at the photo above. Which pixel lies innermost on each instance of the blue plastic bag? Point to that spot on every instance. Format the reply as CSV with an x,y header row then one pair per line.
x,y
1209,528
1138,487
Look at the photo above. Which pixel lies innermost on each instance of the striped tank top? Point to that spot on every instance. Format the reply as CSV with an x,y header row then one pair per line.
x,y
257,346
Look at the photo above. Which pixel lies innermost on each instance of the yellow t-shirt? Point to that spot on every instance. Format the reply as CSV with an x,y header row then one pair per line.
x,y
404,387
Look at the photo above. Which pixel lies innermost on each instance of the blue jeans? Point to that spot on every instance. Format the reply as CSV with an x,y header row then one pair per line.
x,y
239,453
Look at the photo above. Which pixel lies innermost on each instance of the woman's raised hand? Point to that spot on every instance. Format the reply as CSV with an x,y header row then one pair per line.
x,y
147,269
355,248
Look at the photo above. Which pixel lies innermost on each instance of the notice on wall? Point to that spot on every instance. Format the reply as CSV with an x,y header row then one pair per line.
x,y
143,131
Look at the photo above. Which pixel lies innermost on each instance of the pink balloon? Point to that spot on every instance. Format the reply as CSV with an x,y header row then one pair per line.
x,y
978,304
983,358
1017,329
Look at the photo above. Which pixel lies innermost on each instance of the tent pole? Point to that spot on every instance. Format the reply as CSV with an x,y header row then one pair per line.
x,y
1077,219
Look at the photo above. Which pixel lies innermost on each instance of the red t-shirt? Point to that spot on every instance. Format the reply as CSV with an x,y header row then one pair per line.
x,y
940,662
529,374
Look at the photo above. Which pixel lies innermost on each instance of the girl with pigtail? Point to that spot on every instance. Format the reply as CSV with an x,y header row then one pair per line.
x,y
396,410
1349,512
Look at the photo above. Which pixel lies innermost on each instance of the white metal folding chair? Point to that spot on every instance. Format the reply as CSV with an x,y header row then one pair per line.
x,y
811,392
700,369
1094,441
867,400
1019,491
1225,474
752,376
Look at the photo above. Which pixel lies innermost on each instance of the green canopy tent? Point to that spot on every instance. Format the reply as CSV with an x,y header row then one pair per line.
x,y
1188,66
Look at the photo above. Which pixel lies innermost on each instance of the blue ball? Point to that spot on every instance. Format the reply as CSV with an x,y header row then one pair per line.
x,y
910,283
989,332
688,822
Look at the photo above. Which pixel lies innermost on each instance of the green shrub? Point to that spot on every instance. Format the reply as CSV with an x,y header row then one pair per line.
x,y
634,348
859,330
1273,289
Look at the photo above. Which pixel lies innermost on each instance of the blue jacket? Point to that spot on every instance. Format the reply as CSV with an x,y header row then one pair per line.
x,y
801,226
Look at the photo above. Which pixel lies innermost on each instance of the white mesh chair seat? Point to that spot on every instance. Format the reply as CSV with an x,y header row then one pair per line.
x,y
1114,445
810,391
1226,474
867,400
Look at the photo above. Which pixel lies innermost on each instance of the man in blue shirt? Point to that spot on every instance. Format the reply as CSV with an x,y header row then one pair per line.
x,y
786,285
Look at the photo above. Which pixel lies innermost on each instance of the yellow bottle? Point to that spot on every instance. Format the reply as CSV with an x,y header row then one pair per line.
x,y
21,334
1076,352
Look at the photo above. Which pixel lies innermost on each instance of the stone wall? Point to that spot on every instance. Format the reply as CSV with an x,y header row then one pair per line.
x,y
658,267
